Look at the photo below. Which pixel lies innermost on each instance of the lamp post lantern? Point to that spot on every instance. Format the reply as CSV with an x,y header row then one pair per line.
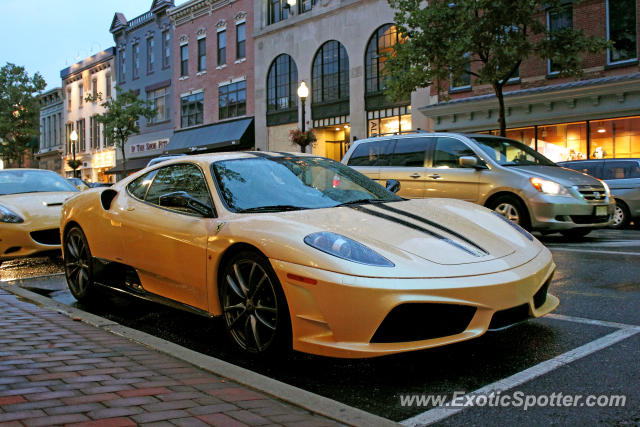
x,y
74,137
303,92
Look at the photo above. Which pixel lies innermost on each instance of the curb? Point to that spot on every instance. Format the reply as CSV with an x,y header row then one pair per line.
x,y
314,403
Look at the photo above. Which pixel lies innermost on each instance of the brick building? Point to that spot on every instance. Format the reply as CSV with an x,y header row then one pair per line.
x,y
144,64
595,116
213,103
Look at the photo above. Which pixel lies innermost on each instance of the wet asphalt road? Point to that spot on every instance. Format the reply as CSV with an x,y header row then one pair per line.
x,y
598,278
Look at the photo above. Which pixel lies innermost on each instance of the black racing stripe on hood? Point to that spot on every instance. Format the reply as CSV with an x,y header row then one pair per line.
x,y
433,224
415,227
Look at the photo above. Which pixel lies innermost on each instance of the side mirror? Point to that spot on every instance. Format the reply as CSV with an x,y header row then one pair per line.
x,y
393,185
183,200
471,162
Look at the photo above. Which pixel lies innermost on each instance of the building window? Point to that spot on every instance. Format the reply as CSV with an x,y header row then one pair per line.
x,y
232,100
94,88
160,101
166,48
241,41
71,148
184,60
463,81
94,132
108,85
388,120
150,55
80,95
277,11
222,48
282,81
136,60
559,20
123,65
80,129
621,30
191,110
380,44
330,73
202,54
69,99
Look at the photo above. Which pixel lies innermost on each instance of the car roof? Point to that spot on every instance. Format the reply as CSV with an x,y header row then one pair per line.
x,y
601,160
233,155
430,134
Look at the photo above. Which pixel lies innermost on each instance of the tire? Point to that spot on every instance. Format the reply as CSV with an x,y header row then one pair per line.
x,y
78,265
576,233
513,209
254,307
620,215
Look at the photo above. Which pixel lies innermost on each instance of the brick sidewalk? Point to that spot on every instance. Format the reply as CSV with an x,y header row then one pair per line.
x,y
57,371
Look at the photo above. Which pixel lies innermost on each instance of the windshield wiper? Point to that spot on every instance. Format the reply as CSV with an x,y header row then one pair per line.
x,y
361,201
272,208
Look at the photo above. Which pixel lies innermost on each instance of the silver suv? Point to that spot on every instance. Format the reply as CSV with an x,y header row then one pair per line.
x,y
499,173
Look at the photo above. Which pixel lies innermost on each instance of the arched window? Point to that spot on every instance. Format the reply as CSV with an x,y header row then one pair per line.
x,y
380,44
282,80
330,73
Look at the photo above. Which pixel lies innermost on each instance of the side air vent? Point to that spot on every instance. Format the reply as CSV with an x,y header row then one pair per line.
x,y
106,197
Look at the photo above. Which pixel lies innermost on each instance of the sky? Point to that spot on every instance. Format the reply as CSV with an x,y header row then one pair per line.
x,y
47,35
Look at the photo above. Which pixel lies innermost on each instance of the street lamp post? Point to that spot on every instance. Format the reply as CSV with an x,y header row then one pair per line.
x,y
303,92
74,137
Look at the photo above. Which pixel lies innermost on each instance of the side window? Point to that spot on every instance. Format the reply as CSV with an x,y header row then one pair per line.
x,y
590,168
409,152
181,177
448,151
621,169
138,188
374,153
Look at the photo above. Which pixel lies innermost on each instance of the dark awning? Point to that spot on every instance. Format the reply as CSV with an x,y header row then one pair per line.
x,y
132,165
231,135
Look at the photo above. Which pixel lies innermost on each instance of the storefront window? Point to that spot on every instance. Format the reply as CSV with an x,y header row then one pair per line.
x,y
615,138
525,135
567,141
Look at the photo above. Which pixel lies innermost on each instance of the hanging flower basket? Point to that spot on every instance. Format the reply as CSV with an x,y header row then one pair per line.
x,y
301,138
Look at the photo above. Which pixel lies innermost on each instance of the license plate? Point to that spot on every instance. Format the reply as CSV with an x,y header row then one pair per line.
x,y
601,210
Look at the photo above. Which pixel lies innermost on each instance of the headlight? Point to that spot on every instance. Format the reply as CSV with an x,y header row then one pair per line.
x,y
607,190
549,187
345,248
9,216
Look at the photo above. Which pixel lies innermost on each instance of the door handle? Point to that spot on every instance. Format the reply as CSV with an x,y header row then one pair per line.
x,y
434,176
415,175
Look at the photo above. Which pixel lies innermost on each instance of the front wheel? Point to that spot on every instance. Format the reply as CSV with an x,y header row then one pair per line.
x,y
511,208
620,215
576,233
254,306
78,265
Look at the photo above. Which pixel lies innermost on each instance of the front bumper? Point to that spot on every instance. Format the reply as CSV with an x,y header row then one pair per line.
x,y
16,240
340,315
563,213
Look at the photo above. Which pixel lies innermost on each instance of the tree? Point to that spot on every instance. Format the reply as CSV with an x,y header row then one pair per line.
x,y
121,117
19,111
488,39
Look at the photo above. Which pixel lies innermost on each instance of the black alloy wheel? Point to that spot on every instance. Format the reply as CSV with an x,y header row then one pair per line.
x,y
254,306
78,265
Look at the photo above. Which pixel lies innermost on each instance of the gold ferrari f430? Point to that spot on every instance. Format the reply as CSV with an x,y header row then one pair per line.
x,y
297,251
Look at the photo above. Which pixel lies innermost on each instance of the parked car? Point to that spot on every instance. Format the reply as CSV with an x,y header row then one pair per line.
x,y
30,204
302,251
623,177
79,183
98,184
499,173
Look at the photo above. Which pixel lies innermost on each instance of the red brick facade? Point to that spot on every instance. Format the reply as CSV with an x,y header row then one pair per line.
x,y
591,17
190,25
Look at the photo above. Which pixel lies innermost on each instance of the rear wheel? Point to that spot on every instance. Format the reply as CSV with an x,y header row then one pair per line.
x,y
78,265
511,208
254,306
620,215
576,233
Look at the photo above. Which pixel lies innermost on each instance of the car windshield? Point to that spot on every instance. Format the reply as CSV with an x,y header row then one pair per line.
x,y
32,181
508,152
291,183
